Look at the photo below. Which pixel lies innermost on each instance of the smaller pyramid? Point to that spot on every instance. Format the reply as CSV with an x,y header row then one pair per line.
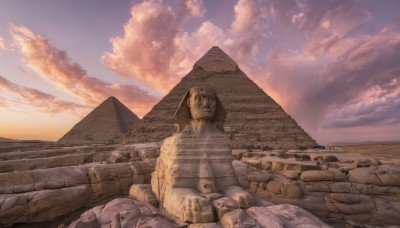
x,y
107,123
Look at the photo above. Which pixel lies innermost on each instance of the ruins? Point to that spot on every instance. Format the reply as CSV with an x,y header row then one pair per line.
x,y
49,184
253,118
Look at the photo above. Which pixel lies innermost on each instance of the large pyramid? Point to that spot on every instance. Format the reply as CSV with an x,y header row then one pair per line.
x,y
107,123
253,118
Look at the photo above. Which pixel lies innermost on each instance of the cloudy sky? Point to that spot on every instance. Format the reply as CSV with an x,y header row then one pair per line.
x,y
333,65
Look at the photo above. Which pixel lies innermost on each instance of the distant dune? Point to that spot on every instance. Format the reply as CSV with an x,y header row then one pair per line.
x,y
362,143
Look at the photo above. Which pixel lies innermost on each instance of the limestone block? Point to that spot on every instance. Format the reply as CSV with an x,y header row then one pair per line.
x,y
260,202
138,179
363,176
371,189
323,158
316,186
265,217
142,167
205,225
148,153
361,218
53,178
125,183
292,190
39,206
389,175
238,219
259,177
104,189
143,192
13,209
48,204
366,205
294,216
322,175
385,214
253,162
315,203
275,186
291,174
344,197
341,187
101,173
122,212
224,205
119,156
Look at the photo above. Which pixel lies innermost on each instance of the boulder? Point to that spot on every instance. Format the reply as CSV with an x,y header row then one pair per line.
x,y
291,174
122,212
39,206
385,214
238,219
294,216
322,175
364,176
292,190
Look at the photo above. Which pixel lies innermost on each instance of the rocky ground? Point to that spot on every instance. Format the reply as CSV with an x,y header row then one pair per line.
x,y
51,184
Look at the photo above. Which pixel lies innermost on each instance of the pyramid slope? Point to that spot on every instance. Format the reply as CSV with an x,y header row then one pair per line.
x,y
108,122
253,118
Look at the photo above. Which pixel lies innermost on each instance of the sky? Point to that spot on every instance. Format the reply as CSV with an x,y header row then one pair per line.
x,y
333,65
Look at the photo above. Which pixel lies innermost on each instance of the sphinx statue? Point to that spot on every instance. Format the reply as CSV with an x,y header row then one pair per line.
x,y
195,165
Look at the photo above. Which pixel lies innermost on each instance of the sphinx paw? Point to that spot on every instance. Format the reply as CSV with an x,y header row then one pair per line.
x,y
196,209
242,197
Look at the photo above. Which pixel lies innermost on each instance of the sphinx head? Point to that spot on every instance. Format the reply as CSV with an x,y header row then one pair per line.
x,y
200,103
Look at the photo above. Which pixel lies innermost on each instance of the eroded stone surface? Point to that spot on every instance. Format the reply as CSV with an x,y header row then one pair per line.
x,y
122,212
197,161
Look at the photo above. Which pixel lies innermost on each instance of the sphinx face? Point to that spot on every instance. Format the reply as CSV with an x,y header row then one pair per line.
x,y
202,103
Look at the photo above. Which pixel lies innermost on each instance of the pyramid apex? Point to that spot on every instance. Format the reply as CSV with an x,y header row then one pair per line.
x,y
216,60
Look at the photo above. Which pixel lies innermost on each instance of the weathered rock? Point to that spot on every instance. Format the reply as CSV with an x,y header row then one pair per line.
x,y
364,206
143,192
389,175
294,216
371,189
238,219
265,217
322,175
205,225
122,212
291,174
275,186
148,153
292,190
31,180
316,186
224,205
38,206
341,187
385,213
364,176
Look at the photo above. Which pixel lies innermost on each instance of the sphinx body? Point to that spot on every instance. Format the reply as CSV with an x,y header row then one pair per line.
x,y
195,165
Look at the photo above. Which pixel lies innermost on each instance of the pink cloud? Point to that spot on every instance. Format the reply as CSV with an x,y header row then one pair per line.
x,y
150,42
55,65
2,43
41,101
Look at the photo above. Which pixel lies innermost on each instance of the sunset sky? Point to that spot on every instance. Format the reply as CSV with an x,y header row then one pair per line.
x,y
333,65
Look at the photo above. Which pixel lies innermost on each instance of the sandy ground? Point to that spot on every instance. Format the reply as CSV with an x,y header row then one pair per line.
x,y
387,153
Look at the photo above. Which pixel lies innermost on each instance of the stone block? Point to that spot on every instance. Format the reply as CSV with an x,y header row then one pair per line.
x,y
292,190
275,186
237,219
